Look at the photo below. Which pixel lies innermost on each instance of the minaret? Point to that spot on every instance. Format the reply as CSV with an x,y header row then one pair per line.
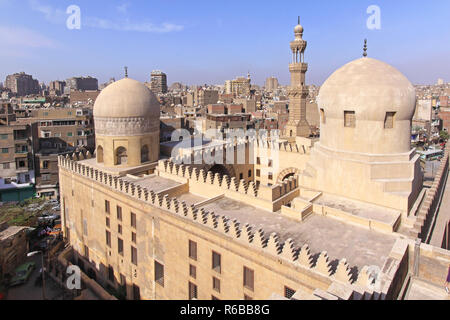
x,y
297,125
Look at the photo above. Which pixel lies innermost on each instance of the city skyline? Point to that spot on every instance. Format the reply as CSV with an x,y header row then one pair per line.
x,y
214,42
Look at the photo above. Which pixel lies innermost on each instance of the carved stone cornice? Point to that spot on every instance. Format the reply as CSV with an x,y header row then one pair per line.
x,y
125,126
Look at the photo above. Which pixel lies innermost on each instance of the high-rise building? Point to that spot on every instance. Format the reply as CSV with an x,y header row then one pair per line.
x,y
158,82
297,125
271,84
82,83
56,88
22,84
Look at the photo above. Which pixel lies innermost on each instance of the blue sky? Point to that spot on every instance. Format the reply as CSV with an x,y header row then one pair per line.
x,y
197,42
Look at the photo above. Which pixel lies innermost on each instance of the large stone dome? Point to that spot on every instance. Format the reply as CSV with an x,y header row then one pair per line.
x,y
370,88
126,98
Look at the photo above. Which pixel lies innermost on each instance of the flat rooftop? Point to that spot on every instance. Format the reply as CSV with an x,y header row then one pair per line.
x,y
152,182
359,246
358,208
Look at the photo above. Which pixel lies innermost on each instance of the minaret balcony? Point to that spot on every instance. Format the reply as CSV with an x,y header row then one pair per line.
x,y
298,67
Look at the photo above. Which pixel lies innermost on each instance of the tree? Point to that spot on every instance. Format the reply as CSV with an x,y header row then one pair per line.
x,y
444,135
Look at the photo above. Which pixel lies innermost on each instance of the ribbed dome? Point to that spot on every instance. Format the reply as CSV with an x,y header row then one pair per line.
x,y
126,98
370,88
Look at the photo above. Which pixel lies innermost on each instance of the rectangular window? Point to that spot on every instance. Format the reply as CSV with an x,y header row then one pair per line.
x,y
249,173
249,278
107,206
193,271
322,116
86,252
111,273
193,294
85,228
69,134
107,222
133,237
108,239
123,280
119,213
258,173
241,176
159,273
133,220
349,119
216,284
389,120
193,250
5,150
288,292
270,162
136,292
6,166
3,136
134,257
258,160
216,263
119,229
120,246
270,176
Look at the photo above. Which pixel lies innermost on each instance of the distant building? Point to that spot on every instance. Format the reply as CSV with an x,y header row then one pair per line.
x,y
239,86
22,84
440,82
83,97
158,82
56,88
271,84
82,83
17,144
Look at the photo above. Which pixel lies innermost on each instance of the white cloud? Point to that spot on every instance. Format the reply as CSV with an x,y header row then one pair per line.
x,y
55,15
50,13
123,8
130,26
22,37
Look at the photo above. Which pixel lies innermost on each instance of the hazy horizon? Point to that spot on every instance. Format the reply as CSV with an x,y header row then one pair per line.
x,y
204,42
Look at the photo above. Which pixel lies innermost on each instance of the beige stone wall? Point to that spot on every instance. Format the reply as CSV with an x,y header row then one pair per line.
x,y
164,238
133,144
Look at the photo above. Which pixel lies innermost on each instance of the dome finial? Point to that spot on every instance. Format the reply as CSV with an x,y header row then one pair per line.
x,y
126,72
365,48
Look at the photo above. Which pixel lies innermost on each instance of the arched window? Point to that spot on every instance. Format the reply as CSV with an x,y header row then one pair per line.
x,y
144,154
122,157
100,154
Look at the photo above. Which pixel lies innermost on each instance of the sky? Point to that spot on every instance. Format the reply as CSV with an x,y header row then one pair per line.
x,y
208,42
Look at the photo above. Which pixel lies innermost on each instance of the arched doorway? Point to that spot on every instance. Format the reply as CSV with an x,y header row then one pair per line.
x,y
286,174
144,154
220,169
122,157
100,154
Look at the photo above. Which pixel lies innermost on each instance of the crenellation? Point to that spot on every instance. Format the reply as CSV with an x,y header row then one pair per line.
x,y
273,244
323,265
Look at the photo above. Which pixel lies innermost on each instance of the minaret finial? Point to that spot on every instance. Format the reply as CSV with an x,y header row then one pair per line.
x,y
126,72
365,48
298,19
